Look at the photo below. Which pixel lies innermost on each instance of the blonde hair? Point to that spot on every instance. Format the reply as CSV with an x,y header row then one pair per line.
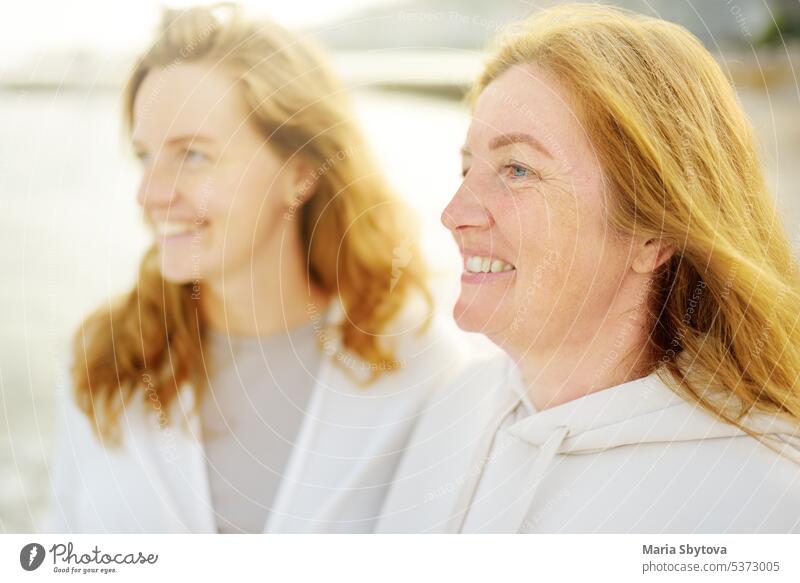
x,y
151,340
681,165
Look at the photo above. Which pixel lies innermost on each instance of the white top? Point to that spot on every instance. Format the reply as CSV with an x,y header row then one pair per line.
x,y
634,458
257,397
343,460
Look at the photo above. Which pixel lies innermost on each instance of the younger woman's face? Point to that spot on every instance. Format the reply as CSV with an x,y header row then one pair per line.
x,y
212,189
540,262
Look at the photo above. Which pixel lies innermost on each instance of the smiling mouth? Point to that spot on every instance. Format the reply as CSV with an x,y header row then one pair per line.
x,y
177,228
479,264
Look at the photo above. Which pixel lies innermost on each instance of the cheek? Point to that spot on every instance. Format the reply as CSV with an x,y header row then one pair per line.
x,y
233,202
563,246
537,228
203,193
260,192
252,211
517,218
592,260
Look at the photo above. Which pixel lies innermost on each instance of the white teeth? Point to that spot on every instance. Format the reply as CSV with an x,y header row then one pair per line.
x,y
477,264
170,228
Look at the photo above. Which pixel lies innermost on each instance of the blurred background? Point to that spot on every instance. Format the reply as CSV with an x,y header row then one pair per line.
x,y
71,233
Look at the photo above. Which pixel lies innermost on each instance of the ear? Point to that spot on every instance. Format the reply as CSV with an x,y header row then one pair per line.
x,y
651,254
303,181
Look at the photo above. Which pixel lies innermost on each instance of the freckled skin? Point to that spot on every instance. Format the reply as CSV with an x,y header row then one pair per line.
x,y
544,214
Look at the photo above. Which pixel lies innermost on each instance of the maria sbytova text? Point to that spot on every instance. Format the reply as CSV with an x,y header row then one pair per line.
x,y
683,550
64,553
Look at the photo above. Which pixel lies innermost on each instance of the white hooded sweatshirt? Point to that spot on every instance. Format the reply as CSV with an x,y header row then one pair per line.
x,y
342,462
634,458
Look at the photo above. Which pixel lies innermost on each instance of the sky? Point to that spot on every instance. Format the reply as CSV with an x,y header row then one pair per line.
x,y
29,26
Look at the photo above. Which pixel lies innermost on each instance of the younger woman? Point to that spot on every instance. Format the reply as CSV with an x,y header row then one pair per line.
x,y
266,369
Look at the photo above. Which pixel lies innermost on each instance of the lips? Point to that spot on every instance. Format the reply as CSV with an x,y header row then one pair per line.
x,y
481,267
176,228
486,264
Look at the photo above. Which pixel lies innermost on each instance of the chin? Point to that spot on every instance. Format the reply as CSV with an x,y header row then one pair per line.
x,y
472,316
486,308
178,271
465,319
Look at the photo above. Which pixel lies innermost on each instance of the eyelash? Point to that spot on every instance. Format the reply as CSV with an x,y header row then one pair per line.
x,y
531,173
514,165
188,152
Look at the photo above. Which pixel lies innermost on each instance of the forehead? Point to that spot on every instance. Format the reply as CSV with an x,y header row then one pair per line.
x,y
527,99
187,99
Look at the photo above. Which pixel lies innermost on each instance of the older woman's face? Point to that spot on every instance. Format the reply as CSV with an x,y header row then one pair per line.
x,y
540,262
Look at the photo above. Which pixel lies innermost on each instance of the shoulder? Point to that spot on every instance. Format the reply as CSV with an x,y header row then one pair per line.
x,y
731,481
437,458
77,430
485,380
459,409
71,422
738,485
426,351
768,460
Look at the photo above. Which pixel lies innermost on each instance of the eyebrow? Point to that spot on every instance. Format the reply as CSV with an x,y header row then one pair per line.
x,y
518,138
183,138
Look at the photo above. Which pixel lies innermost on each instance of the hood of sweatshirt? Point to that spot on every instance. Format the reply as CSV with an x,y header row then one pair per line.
x,y
645,410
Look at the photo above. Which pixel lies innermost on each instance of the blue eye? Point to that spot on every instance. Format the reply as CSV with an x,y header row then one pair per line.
x,y
519,171
194,157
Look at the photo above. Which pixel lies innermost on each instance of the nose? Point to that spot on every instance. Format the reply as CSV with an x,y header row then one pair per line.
x,y
466,210
156,187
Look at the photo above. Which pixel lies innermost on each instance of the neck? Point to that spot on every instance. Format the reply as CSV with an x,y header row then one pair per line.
x,y
268,295
611,352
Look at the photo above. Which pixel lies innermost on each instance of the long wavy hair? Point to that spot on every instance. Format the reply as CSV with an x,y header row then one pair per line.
x,y
681,165
150,341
